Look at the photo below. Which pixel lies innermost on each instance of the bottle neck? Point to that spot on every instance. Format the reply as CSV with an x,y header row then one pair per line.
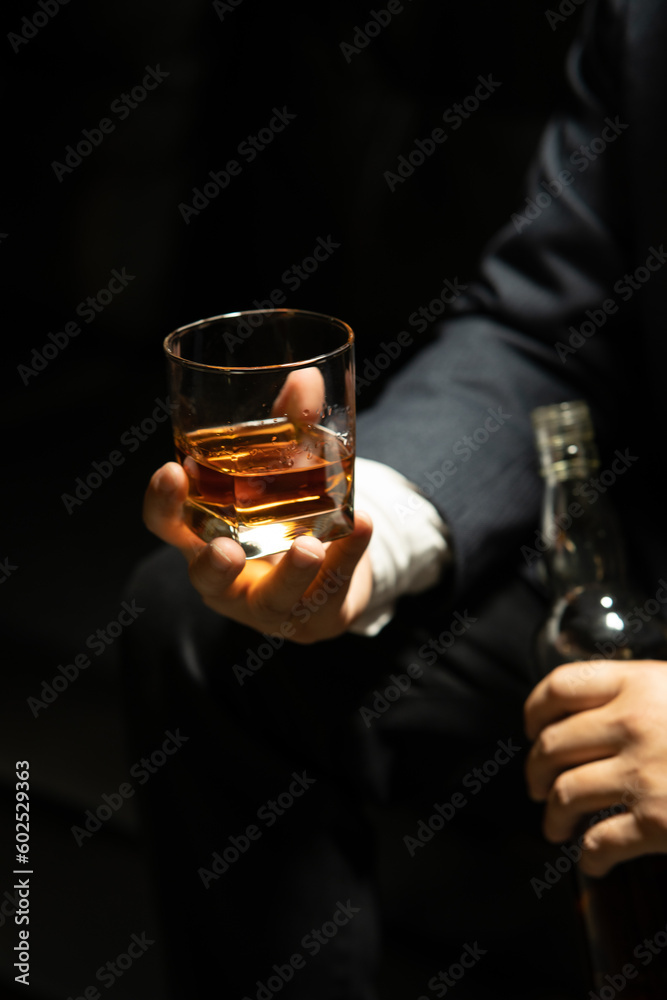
x,y
581,531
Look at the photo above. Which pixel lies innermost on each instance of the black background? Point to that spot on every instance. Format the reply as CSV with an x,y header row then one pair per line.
x,y
321,177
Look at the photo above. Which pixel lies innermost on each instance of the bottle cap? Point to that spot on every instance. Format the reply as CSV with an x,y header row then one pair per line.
x,y
565,440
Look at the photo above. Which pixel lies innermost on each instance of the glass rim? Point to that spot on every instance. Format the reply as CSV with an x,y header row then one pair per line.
x,y
170,339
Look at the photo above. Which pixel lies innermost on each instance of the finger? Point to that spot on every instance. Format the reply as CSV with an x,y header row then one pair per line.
x,y
616,839
214,570
344,554
570,688
312,575
575,740
582,792
341,590
266,592
301,397
278,591
163,509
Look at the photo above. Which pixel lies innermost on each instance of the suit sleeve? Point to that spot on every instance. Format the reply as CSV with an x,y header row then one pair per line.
x,y
456,420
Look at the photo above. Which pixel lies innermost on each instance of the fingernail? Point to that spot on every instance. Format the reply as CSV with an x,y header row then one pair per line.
x,y
163,482
303,557
220,557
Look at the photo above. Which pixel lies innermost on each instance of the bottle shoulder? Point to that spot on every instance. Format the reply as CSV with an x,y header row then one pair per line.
x,y
601,621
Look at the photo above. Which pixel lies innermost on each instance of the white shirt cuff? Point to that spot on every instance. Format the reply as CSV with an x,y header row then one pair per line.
x,y
408,547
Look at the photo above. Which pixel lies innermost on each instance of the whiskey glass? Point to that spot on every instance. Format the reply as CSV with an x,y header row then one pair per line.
x,y
263,412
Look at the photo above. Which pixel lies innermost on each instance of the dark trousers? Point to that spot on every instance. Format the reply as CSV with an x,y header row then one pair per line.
x,y
315,803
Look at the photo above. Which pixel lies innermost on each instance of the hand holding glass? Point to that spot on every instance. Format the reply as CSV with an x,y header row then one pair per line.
x,y
264,424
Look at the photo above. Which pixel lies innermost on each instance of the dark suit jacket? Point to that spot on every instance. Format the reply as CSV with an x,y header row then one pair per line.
x,y
570,302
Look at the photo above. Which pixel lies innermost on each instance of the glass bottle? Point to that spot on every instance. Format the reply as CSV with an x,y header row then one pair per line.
x,y
596,616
